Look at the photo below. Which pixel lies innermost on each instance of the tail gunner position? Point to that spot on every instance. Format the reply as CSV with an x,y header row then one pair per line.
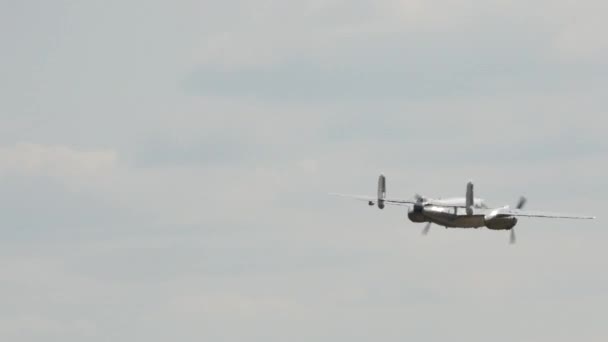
x,y
467,212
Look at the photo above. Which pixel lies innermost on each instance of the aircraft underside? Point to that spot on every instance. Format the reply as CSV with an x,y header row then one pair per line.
x,y
456,221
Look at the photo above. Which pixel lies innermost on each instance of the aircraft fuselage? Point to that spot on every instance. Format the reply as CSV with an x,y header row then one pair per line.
x,y
455,217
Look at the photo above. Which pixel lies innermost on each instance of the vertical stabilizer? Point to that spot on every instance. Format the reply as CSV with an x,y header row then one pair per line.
x,y
470,199
381,191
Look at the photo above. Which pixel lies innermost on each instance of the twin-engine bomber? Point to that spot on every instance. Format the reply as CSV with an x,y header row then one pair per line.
x,y
467,212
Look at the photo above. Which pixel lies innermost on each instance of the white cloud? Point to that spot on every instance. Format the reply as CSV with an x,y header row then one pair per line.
x,y
584,41
59,161
228,305
332,31
32,326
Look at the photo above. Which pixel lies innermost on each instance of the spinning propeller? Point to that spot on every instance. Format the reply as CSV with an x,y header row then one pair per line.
x,y
520,204
420,202
426,229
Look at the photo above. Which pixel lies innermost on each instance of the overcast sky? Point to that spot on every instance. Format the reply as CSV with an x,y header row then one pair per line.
x,y
164,169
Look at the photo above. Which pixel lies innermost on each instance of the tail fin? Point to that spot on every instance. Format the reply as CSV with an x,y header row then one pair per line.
x,y
470,198
381,191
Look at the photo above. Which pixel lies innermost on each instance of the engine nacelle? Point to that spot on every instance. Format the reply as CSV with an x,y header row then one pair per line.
x,y
500,223
416,216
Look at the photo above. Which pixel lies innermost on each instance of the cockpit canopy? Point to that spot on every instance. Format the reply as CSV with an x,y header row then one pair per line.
x,y
478,203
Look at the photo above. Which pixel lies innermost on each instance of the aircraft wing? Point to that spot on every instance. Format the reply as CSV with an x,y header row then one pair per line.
x,y
526,213
375,199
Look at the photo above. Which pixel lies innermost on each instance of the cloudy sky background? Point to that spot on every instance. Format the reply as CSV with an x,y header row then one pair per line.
x,y
164,169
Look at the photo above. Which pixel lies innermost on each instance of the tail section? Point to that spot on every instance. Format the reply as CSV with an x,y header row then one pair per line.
x,y
381,191
470,198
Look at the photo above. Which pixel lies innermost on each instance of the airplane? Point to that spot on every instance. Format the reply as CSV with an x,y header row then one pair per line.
x,y
467,212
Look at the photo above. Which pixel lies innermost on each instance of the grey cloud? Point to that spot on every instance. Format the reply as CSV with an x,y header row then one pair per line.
x,y
231,121
407,66
31,205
